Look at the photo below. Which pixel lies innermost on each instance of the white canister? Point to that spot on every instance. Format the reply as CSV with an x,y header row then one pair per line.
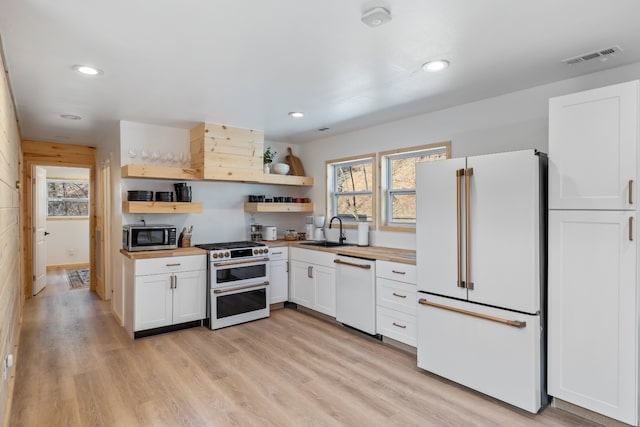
x,y
269,232
363,234
319,234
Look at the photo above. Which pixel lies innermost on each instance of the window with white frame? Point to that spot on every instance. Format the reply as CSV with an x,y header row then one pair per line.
x,y
351,189
67,198
398,168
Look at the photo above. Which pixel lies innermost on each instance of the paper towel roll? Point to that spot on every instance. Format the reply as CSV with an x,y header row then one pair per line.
x,y
363,234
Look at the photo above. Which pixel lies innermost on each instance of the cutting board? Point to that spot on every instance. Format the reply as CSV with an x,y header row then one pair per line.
x,y
295,165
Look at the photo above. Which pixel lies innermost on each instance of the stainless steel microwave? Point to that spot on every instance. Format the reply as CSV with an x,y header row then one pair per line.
x,y
149,237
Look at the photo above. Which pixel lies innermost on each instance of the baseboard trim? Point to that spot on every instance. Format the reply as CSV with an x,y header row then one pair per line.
x,y
66,266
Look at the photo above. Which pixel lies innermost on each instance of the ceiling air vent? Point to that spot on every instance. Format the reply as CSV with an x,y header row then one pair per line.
x,y
603,54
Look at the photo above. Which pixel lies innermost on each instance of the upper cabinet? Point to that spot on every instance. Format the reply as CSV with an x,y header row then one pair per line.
x,y
220,153
593,138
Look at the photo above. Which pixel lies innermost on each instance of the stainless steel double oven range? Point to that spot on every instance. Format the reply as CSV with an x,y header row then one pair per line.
x,y
238,282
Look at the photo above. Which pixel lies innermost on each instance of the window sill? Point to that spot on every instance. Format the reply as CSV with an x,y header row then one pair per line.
x,y
407,229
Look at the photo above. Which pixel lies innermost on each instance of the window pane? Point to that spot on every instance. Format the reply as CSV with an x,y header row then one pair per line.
x,y
67,208
55,190
76,190
355,208
403,208
354,177
403,170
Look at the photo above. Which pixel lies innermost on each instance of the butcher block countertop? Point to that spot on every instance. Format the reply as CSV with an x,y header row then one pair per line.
x,y
405,256
164,253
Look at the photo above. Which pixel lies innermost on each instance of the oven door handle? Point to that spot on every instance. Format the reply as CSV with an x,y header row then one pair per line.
x,y
248,261
239,288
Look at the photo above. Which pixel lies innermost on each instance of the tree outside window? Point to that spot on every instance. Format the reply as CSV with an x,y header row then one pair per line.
x,y
352,184
67,198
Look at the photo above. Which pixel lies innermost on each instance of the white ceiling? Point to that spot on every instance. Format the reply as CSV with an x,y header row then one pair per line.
x,y
248,63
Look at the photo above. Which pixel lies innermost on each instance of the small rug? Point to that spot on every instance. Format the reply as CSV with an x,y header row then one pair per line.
x,y
78,278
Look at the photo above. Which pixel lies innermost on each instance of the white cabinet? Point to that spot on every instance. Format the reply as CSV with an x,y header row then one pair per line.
x,y
396,301
593,139
279,274
592,311
313,280
161,292
593,297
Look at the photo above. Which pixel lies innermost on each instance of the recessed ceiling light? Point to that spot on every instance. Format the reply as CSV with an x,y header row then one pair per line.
x,y
296,114
437,65
89,71
70,116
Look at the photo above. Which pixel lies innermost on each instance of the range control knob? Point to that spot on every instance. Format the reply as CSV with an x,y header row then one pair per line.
x,y
255,251
215,255
227,254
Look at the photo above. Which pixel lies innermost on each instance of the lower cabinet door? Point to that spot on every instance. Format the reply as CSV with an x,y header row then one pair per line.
x,y
279,281
153,301
593,337
325,290
302,283
190,296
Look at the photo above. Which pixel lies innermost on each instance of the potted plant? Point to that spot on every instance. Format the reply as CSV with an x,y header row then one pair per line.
x,y
267,159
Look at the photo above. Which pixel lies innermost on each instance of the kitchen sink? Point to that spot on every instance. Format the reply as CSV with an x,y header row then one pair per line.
x,y
326,244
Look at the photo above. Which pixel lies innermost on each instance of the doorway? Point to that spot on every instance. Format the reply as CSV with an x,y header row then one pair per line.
x,y
39,153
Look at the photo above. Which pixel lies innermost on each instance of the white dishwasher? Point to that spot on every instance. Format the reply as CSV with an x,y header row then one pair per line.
x,y
356,292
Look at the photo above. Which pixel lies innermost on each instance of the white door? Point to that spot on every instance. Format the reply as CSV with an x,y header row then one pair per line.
x,y
189,296
39,213
325,289
593,137
279,280
504,230
440,242
302,283
592,327
153,301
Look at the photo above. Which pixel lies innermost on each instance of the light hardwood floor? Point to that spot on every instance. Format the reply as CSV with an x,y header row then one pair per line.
x,y
77,367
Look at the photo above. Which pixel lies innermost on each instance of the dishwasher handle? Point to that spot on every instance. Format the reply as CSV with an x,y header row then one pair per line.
x,y
352,264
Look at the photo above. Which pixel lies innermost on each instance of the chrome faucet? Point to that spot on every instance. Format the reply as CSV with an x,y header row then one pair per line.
x,y
341,239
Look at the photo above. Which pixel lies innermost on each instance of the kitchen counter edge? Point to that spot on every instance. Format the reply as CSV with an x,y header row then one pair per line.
x,y
164,253
405,256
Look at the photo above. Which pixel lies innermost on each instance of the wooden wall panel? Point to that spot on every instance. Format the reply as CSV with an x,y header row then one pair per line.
x,y
10,260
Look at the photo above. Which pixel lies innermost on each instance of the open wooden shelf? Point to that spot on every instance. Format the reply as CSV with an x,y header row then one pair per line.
x,y
160,172
194,174
161,207
272,178
278,207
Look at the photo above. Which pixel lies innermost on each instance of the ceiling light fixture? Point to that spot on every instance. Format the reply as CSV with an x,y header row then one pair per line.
x,y
70,117
376,16
296,114
87,70
437,65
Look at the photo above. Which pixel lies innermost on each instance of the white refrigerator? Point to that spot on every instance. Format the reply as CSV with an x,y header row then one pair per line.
x,y
481,265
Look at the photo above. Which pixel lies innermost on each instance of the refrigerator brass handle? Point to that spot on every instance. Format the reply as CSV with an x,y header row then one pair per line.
x,y
398,272
352,264
399,295
631,229
630,191
399,325
467,197
249,261
239,288
514,323
459,175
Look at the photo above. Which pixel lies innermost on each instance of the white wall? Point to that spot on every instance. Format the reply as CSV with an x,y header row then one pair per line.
x,y
509,122
68,242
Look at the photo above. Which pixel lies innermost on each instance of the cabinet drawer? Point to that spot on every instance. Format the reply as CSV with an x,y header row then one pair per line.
x,y
396,295
396,325
278,252
396,271
313,257
170,264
